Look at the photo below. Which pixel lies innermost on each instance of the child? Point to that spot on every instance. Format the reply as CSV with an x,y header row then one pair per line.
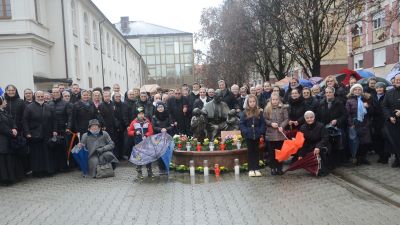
x,y
276,118
140,129
252,125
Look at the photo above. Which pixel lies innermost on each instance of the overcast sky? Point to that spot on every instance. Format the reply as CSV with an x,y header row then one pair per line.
x,y
182,15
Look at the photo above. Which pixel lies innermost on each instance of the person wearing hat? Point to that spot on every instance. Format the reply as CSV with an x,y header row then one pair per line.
x,y
360,109
99,145
140,129
377,124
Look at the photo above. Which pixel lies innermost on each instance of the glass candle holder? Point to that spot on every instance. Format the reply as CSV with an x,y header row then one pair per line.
x,y
238,145
188,146
211,146
191,167
237,167
205,167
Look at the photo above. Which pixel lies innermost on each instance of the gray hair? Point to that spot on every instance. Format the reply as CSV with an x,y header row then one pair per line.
x,y
309,113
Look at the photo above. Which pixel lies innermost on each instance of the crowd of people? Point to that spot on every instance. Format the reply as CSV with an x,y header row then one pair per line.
x,y
342,122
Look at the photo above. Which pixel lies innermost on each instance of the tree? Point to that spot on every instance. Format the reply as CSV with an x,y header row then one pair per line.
x,y
313,27
228,29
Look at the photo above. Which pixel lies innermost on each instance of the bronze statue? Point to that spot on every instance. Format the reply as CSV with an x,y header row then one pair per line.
x,y
233,120
198,124
217,114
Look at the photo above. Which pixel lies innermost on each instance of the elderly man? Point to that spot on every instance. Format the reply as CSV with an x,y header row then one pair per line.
x,y
217,113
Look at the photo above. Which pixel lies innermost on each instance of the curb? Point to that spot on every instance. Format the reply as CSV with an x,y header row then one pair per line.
x,y
370,186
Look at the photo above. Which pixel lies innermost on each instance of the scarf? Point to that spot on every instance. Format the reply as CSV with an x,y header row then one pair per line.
x,y
361,110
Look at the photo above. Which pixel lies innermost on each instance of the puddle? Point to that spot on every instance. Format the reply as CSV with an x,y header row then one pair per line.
x,y
185,178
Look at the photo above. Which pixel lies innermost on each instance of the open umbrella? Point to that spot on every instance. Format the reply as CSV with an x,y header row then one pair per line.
x,y
289,147
149,88
364,81
151,149
306,83
365,73
349,73
281,83
81,156
315,80
310,162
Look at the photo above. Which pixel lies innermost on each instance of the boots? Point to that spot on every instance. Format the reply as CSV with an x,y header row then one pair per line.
x,y
139,172
396,162
150,173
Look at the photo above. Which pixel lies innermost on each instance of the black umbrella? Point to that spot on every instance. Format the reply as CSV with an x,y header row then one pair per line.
x,y
364,81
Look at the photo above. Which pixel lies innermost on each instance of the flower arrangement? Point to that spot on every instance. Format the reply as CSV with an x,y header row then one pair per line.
x,y
206,142
180,140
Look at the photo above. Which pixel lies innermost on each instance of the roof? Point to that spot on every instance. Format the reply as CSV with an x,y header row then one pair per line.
x,y
140,28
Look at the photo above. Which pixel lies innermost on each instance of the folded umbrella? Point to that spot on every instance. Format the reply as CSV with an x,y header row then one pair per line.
x,y
151,149
310,163
81,156
289,147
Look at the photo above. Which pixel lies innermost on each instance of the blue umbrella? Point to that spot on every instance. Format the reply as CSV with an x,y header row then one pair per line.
x,y
151,149
306,83
392,74
1,91
81,156
166,158
365,73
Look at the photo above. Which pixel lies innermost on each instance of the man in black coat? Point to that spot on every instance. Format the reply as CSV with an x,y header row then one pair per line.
x,y
146,104
194,94
179,109
391,110
83,111
75,93
227,95
63,116
107,117
202,100
128,115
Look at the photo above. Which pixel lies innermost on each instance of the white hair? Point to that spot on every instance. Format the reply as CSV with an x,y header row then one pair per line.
x,y
309,113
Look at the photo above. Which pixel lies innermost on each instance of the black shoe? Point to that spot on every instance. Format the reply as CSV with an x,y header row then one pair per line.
x,y
273,172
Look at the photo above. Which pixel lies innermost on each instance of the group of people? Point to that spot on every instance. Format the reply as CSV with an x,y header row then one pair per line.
x,y
342,122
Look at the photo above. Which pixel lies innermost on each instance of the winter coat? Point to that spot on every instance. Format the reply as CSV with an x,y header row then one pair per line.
x,y
198,103
311,103
391,102
148,108
192,98
100,150
280,116
119,116
63,114
107,116
229,99
378,117
288,93
75,98
15,107
241,100
315,136
81,114
336,112
296,110
252,128
6,125
162,122
144,127
39,122
175,109
128,112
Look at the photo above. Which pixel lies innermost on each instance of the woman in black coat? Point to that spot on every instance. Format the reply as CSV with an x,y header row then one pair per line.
x,y
331,112
39,127
11,169
296,111
82,112
15,105
162,123
310,101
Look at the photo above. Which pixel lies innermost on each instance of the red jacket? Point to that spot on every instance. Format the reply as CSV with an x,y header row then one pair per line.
x,y
145,129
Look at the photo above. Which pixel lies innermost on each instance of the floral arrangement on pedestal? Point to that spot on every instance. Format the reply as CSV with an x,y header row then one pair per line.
x,y
230,142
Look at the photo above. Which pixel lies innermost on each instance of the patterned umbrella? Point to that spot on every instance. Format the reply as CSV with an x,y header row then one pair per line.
x,y
310,162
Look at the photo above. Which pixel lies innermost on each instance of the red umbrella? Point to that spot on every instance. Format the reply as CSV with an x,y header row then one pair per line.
x,y
349,73
289,147
311,163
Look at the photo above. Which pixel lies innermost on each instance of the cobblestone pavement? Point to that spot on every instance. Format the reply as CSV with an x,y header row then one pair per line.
x,y
295,198
381,173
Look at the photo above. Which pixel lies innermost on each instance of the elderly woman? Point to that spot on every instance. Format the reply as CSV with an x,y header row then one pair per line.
x,y
294,84
296,110
310,101
99,145
340,91
360,109
316,138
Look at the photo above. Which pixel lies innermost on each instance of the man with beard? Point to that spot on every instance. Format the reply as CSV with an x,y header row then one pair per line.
x,y
75,93
63,116
180,112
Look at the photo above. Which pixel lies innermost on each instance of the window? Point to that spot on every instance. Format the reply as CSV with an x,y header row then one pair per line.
x,y
73,18
94,34
187,48
5,9
86,25
379,57
77,70
113,48
102,44
357,29
122,56
118,53
358,61
378,20
108,45
150,50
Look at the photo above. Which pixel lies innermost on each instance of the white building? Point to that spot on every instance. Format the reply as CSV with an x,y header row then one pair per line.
x,y
43,42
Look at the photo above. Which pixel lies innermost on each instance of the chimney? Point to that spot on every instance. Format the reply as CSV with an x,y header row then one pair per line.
x,y
124,23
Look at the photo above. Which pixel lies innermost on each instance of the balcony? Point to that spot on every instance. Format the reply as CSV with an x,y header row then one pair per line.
x,y
379,35
356,42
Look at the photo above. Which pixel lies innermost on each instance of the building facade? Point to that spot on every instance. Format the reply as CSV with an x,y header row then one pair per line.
x,y
373,37
168,53
43,42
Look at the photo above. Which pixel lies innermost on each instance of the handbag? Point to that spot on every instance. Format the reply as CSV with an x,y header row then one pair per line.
x,y
19,146
104,170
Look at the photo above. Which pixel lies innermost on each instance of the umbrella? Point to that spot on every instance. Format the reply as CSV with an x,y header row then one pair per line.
x,y
166,158
364,81
289,147
151,149
306,83
365,73
1,91
395,70
81,156
310,162
149,88
349,73
315,80
283,82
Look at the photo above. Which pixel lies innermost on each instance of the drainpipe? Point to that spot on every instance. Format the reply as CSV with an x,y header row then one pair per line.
x,y
126,71
65,39
101,52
